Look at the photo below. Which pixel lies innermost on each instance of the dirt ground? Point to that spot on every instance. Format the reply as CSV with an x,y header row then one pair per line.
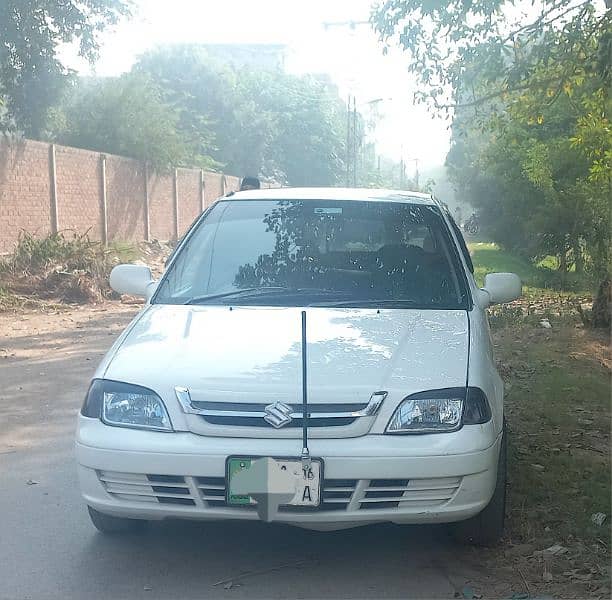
x,y
46,358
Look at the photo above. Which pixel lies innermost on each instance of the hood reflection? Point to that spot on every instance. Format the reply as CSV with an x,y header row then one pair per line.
x,y
251,349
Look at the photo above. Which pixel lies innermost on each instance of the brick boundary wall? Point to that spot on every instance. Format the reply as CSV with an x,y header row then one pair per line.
x,y
46,188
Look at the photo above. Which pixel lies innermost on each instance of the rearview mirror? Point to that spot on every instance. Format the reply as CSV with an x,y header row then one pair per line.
x,y
135,280
501,287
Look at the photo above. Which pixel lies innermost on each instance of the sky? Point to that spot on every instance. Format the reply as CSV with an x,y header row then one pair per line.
x,y
351,56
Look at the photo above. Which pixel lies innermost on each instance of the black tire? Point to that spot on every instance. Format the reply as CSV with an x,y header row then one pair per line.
x,y
115,525
487,527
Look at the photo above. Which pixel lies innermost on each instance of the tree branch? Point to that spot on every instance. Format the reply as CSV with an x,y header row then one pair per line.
x,y
541,19
497,94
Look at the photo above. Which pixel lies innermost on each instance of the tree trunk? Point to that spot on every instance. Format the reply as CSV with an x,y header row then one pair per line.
x,y
578,257
602,305
563,267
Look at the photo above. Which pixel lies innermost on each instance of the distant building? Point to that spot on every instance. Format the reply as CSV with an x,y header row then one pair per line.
x,y
262,56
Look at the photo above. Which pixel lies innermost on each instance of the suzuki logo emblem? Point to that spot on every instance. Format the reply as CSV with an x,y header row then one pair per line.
x,y
278,414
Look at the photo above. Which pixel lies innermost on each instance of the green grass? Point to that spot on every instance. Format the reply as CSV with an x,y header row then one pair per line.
x,y
545,295
490,258
558,410
125,252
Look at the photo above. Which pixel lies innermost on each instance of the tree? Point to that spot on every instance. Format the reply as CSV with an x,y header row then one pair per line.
x,y
291,129
308,125
528,86
31,76
200,90
467,53
126,115
538,169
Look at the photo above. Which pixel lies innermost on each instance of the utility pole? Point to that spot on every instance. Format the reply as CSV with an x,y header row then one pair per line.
x,y
355,139
416,171
348,142
354,142
351,136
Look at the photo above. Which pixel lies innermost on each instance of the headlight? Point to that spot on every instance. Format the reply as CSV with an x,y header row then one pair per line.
x,y
126,405
438,411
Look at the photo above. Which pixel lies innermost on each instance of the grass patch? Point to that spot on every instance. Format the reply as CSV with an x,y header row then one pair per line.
x,y
558,410
544,296
490,258
123,252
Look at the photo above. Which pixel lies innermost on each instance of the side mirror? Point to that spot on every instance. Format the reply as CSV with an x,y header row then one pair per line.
x,y
500,287
135,280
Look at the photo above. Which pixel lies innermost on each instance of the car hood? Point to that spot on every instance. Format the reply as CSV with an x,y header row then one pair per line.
x,y
254,353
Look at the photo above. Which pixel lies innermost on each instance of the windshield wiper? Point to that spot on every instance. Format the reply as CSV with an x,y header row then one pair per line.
x,y
254,292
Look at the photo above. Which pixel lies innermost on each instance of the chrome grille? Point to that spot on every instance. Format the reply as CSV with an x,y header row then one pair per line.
x,y
337,494
313,421
253,414
362,494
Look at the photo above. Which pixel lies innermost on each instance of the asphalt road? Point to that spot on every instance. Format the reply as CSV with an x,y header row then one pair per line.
x,y
49,549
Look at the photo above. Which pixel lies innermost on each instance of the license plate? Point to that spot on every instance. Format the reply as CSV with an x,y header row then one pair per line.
x,y
307,486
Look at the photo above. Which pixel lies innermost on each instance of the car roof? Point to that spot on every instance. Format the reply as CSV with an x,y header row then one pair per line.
x,y
329,193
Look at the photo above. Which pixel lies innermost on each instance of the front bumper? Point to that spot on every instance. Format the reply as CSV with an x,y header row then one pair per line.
x,y
370,479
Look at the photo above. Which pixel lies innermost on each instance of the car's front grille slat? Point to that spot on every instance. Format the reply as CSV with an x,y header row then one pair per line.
x,y
314,409
382,483
213,487
335,484
379,505
136,487
336,494
239,420
211,481
433,484
443,494
367,500
414,493
142,491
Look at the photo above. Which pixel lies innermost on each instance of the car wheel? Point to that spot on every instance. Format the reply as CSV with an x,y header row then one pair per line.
x,y
487,527
115,525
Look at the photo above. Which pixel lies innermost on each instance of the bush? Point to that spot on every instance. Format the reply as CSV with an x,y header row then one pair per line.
x,y
65,265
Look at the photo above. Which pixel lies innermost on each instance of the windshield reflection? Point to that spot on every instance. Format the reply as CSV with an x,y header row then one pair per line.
x,y
292,253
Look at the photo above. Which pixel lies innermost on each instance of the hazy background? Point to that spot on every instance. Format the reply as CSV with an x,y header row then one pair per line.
x,y
351,55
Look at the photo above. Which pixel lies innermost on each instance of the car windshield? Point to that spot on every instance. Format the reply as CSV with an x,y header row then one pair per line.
x,y
311,252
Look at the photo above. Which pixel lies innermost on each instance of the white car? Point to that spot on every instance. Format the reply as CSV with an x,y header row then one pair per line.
x,y
318,357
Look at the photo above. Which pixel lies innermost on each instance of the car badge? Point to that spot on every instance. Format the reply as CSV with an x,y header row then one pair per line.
x,y
278,414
